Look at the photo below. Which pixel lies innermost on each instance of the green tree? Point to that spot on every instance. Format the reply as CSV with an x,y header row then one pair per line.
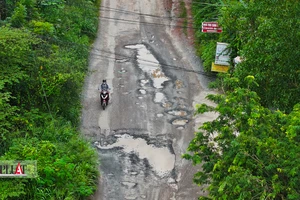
x,y
7,116
44,48
66,162
248,151
266,34
18,18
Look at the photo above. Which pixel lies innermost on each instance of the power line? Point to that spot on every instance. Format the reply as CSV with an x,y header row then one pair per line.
x,y
105,8
141,14
149,61
130,58
147,23
144,15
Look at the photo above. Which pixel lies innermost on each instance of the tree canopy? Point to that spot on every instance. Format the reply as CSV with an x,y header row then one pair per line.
x,y
251,150
266,35
248,151
44,48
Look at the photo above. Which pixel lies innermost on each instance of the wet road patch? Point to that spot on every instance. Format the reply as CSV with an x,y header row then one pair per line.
x,y
142,91
143,82
149,64
122,70
180,122
181,113
159,97
160,159
122,60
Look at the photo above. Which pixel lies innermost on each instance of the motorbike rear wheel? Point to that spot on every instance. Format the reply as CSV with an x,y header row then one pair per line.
x,y
104,105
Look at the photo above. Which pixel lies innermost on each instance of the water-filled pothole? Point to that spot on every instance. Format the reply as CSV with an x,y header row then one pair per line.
x,y
180,127
122,70
160,158
180,122
166,104
159,115
122,60
149,64
142,91
159,97
178,84
143,82
181,113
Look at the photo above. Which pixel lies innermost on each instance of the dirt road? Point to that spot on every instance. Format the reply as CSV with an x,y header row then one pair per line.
x,y
149,122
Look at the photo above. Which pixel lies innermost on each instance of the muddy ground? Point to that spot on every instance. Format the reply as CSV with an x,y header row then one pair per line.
x,y
155,83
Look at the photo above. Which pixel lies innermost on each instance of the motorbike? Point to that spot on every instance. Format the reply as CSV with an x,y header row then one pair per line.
x,y
104,97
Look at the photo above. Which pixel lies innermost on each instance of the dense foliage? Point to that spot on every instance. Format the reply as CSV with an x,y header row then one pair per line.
x,y
266,35
251,150
44,48
248,152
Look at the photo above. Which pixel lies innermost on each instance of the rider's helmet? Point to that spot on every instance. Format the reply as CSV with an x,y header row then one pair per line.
x,y
104,81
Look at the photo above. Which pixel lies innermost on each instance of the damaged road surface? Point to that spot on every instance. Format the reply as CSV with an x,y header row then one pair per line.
x,y
148,122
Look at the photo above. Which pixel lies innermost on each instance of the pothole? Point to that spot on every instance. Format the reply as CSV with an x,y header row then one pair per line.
x,y
122,60
149,64
178,84
167,105
181,113
134,173
180,122
129,184
130,197
159,97
182,106
142,91
122,70
158,73
159,115
143,82
161,159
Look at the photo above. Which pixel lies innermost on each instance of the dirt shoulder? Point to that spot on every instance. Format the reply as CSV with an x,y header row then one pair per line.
x,y
177,9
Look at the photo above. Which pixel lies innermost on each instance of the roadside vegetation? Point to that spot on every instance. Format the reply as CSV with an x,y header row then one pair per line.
x,y
251,151
44,49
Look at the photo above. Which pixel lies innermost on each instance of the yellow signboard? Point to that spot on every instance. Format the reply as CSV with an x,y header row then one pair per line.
x,y
219,68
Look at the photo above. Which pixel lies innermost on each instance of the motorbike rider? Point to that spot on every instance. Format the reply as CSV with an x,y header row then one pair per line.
x,y
104,87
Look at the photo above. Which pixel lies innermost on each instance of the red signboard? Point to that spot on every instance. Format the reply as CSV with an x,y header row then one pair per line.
x,y
211,27
217,30
211,24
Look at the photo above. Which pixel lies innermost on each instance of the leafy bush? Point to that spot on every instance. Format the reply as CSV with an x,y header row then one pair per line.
x,y
256,31
44,49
